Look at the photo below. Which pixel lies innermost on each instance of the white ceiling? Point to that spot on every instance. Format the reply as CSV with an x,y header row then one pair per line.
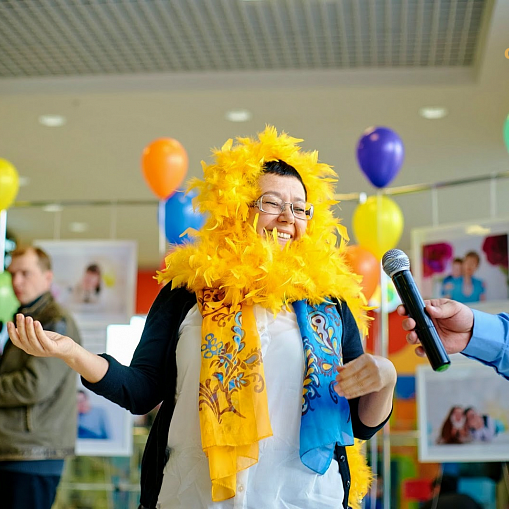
x,y
125,72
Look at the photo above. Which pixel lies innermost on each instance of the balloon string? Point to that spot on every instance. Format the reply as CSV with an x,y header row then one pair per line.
x,y
162,237
383,350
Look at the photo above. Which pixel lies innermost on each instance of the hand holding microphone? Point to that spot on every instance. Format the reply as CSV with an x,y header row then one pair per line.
x,y
397,266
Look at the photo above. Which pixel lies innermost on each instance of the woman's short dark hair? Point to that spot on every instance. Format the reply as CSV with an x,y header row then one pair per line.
x,y
279,167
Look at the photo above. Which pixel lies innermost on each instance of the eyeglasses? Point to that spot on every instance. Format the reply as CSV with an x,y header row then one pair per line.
x,y
271,204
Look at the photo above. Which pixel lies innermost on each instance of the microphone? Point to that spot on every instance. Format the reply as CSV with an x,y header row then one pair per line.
x,y
397,266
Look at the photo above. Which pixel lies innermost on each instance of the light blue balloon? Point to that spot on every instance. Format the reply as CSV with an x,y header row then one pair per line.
x,y
176,215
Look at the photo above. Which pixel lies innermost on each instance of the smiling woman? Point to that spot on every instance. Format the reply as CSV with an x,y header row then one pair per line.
x,y
271,214
262,285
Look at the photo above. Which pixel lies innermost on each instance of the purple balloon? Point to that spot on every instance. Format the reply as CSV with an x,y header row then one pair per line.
x,y
380,154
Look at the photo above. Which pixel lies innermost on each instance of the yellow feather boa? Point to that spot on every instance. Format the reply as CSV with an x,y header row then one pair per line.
x,y
227,252
360,472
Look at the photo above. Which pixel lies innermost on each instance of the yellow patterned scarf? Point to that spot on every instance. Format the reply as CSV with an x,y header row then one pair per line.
x,y
234,413
228,255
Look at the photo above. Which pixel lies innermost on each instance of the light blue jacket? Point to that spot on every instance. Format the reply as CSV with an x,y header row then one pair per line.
x,y
490,341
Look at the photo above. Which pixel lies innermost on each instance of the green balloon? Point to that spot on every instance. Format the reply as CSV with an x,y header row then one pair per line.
x,y
8,302
506,132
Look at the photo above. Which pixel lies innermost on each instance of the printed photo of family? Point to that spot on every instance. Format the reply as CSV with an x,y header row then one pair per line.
x,y
466,425
469,420
467,263
461,284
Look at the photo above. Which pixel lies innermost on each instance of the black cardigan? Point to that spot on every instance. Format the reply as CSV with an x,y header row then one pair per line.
x,y
152,377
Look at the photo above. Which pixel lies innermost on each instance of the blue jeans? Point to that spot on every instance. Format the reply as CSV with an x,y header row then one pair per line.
x,y
20,490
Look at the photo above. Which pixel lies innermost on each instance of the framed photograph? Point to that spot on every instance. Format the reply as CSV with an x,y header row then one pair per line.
x,y
104,428
466,262
94,279
466,422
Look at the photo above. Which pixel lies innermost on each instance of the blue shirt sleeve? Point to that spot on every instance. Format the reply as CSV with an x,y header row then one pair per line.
x,y
490,341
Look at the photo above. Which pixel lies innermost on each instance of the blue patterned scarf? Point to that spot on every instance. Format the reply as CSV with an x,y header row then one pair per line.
x,y
326,419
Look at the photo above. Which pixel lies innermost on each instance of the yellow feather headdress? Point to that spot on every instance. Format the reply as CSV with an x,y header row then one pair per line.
x,y
227,252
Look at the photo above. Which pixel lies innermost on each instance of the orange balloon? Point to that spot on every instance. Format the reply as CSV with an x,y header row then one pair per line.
x,y
364,262
164,164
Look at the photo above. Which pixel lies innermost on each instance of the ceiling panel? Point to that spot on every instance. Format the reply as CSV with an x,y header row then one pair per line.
x,y
115,37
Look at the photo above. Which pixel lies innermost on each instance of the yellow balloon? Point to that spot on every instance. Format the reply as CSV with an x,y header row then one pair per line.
x,y
9,184
378,224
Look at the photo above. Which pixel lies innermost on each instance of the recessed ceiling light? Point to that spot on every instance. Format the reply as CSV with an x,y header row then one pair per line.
x,y
52,120
23,181
78,227
477,229
238,115
433,113
53,207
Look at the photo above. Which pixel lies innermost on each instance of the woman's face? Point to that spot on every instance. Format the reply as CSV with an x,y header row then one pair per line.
x,y
470,265
91,280
474,420
289,189
457,414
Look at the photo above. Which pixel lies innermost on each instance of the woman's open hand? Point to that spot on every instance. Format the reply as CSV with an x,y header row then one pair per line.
x,y
29,335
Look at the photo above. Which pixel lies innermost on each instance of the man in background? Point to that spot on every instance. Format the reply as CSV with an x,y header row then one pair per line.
x,y
37,395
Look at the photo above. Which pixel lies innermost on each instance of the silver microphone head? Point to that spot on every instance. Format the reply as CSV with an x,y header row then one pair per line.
x,y
395,261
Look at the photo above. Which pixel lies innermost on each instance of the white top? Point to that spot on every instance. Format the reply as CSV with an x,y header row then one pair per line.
x,y
279,480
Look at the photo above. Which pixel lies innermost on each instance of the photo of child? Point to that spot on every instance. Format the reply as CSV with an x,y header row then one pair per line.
x,y
467,263
95,280
88,288
461,285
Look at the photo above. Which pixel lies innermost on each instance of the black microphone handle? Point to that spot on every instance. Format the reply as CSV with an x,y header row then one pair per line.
x,y
425,328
